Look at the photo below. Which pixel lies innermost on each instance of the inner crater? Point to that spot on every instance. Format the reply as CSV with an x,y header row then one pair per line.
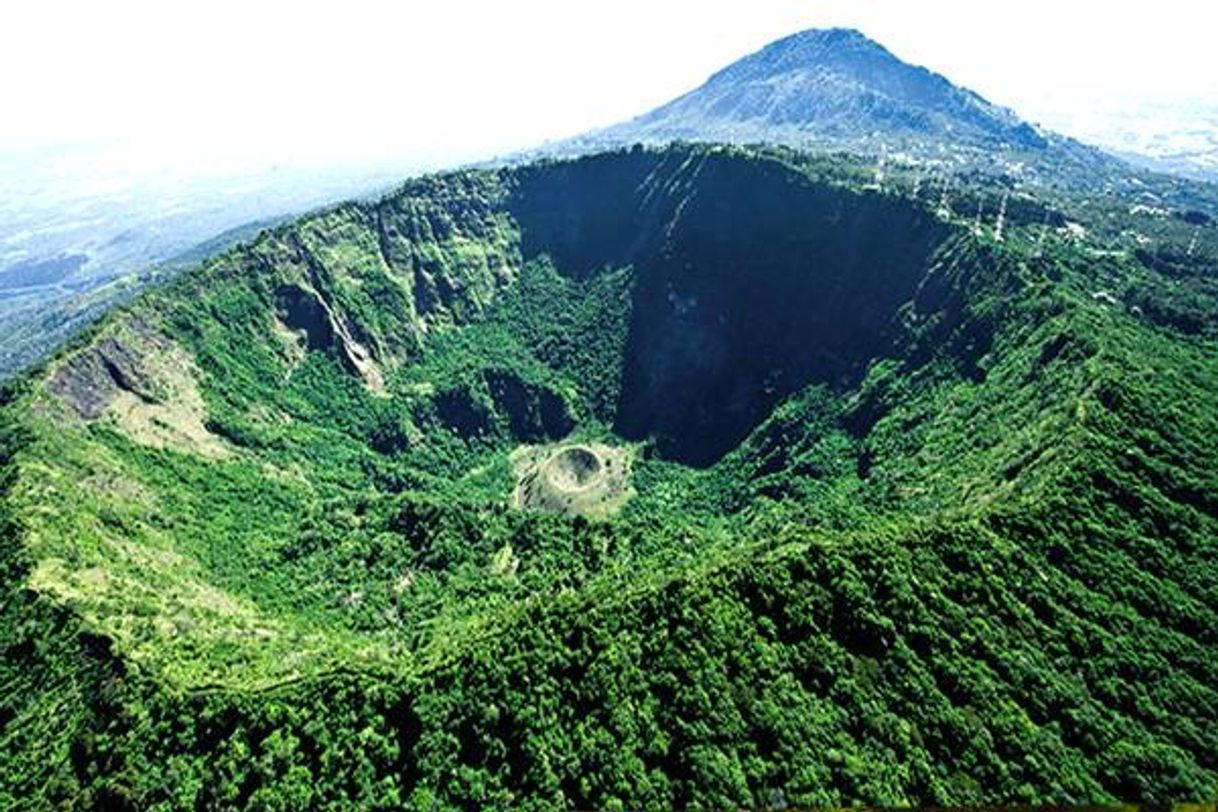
x,y
574,469
748,283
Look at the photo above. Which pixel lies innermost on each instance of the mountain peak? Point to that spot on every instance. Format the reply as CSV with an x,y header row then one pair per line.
x,y
814,39
835,86
825,38
843,48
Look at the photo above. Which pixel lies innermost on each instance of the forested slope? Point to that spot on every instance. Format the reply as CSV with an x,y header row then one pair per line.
x,y
919,513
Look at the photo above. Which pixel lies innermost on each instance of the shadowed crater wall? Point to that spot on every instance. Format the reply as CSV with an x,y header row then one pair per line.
x,y
750,282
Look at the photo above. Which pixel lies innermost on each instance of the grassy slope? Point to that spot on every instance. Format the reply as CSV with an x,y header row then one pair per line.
x,y
985,575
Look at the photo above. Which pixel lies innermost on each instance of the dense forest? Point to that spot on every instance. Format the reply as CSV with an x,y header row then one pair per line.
x,y
922,506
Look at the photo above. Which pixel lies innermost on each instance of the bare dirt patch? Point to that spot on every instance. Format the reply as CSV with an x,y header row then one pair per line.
x,y
584,479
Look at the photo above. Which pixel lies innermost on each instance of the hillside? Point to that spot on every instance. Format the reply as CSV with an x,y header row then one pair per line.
x,y
698,476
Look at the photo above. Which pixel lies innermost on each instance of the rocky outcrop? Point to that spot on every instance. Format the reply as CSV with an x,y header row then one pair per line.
x,y
365,283
89,381
304,311
144,384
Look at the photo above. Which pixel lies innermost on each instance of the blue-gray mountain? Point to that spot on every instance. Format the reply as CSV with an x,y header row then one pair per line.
x,y
831,85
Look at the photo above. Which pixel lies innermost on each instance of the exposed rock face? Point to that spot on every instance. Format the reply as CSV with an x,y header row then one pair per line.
x,y
89,381
144,383
305,311
365,282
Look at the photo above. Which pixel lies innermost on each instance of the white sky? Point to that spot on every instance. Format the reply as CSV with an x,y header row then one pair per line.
x,y
336,82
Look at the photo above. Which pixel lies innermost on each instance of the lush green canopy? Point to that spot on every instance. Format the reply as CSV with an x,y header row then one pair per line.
x,y
920,515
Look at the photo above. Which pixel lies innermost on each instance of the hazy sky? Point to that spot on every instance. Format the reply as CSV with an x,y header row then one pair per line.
x,y
455,79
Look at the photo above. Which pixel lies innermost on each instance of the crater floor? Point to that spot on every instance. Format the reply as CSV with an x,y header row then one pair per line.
x,y
578,479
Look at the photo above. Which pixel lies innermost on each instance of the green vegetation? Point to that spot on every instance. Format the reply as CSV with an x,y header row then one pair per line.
x,y
919,515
